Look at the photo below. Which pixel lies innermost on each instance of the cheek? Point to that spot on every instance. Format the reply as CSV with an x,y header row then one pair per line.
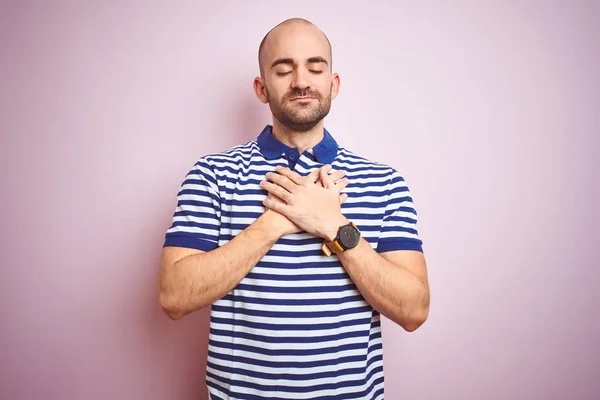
x,y
275,92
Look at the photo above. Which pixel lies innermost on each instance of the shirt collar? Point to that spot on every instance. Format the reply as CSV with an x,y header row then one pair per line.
x,y
325,152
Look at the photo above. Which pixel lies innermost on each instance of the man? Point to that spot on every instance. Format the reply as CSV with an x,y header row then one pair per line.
x,y
296,272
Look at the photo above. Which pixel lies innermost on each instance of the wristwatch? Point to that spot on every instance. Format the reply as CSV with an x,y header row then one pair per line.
x,y
347,238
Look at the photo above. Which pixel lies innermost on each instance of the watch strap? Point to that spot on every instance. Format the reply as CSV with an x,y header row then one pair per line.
x,y
334,246
331,247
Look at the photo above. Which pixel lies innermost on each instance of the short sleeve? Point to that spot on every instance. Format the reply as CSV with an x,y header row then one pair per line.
x,y
196,221
399,226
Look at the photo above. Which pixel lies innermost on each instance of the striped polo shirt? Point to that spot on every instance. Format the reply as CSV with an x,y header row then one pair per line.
x,y
296,327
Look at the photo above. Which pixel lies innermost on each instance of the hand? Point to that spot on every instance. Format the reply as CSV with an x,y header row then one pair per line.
x,y
281,222
310,207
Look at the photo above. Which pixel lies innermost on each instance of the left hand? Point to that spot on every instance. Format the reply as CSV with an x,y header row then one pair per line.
x,y
314,208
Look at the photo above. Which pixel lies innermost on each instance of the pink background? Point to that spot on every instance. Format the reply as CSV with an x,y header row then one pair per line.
x,y
490,111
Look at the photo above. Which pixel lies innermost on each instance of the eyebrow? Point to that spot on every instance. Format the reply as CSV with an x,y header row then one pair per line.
x,y
290,61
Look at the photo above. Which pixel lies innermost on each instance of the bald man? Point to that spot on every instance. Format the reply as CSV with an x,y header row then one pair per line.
x,y
297,244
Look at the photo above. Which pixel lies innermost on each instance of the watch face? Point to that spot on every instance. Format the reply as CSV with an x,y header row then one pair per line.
x,y
349,236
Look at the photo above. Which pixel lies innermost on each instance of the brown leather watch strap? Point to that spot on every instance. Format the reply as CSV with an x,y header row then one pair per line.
x,y
331,247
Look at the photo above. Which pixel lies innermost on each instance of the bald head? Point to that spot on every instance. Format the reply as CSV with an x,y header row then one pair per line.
x,y
276,39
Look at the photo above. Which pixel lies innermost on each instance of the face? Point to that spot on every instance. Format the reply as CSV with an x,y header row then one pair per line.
x,y
297,81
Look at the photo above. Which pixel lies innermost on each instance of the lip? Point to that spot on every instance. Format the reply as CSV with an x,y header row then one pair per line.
x,y
302,98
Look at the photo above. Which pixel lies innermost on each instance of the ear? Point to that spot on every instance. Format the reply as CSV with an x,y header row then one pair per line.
x,y
261,90
335,85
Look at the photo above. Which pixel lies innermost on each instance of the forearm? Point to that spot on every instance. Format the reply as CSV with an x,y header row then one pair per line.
x,y
391,289
198,280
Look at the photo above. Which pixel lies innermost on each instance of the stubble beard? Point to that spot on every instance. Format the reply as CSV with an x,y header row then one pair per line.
x,y
300,118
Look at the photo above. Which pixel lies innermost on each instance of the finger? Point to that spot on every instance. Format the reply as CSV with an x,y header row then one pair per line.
x,y
275,205
291,175
281,180
276,191
271,196
313,177
343,198
337,175
327,168
325,179
341,184
316,174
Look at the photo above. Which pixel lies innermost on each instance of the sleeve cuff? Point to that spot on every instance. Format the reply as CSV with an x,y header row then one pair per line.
x,y
393,245
189,242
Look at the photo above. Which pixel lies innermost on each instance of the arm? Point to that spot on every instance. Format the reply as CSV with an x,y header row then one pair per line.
x,y
191,279
393,281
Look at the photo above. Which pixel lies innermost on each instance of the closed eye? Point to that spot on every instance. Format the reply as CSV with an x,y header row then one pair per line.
x,y
314,71
283,73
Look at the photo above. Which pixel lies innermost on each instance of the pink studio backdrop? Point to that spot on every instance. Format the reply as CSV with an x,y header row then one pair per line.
x,y
490,111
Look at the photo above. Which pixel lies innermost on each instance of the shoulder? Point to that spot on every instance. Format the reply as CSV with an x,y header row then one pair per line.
x,y
372,174
233,154
356,163
228,159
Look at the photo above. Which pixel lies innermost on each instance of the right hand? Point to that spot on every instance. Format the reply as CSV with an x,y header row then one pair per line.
x,y
282,224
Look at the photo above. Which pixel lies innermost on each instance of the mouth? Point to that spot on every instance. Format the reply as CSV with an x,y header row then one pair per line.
x,y
302,98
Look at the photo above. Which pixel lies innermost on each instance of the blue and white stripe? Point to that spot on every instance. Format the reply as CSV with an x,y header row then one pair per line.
x,y
295,327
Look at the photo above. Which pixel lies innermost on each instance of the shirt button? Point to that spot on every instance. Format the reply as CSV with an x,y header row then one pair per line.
x,y
291,156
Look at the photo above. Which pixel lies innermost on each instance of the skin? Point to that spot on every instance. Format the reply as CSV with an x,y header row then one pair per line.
x,y
192,279
298,84
296,79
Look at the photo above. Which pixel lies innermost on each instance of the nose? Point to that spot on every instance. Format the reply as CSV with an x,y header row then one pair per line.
x,y
301,79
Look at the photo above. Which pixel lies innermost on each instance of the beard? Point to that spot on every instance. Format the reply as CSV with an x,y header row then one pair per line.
x,y
300,117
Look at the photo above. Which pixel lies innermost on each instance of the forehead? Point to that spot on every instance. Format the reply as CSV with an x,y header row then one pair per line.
x,y
296,41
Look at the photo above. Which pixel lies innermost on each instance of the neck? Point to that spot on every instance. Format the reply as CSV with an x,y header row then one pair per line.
x,y
301,139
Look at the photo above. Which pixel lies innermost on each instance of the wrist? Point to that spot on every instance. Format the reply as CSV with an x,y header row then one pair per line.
x,y
266,224
331,229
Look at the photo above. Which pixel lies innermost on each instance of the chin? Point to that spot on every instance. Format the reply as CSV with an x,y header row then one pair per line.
x,y
300,126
